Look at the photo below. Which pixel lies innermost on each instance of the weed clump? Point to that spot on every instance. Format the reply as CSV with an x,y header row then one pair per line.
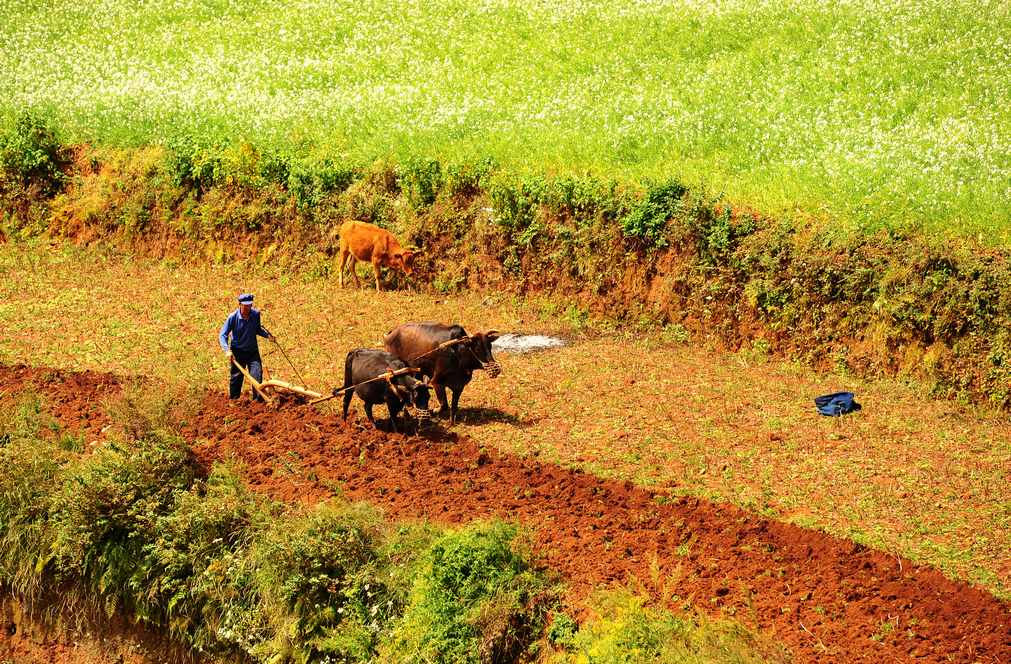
x,y
624,629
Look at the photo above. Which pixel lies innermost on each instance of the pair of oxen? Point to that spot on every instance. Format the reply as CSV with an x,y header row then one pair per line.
x,y
444,356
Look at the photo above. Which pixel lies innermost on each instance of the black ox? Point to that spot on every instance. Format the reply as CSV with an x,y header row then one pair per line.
x,y
452,366
363,366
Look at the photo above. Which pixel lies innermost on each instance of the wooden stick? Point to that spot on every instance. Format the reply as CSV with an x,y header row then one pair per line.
x,y
444,344
383,376
252,381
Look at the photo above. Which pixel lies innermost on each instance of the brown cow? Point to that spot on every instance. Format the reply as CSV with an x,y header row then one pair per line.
x,y
360,241
418,345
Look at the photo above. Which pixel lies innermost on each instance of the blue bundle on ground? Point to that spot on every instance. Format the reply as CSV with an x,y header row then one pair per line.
x,y
835,404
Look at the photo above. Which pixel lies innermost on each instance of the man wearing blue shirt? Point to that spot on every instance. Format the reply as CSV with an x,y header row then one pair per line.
x,y
243,326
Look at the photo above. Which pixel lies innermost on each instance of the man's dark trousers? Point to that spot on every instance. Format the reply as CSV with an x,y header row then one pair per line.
x,y
250,361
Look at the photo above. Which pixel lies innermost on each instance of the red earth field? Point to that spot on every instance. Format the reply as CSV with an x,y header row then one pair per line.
x,y
827,599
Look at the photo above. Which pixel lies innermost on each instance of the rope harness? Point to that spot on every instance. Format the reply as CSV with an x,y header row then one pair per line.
x,y
493,368
388,376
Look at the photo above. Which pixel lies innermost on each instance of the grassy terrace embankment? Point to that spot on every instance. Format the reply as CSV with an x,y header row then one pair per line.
x,y
866,113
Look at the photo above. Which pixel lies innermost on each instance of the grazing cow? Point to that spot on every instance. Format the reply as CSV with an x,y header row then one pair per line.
x,y
365,364
452,366
360,241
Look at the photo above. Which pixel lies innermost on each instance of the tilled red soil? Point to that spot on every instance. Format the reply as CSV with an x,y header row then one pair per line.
x,y
827,599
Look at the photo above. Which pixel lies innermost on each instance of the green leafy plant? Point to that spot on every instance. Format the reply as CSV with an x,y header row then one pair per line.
x,y
32,155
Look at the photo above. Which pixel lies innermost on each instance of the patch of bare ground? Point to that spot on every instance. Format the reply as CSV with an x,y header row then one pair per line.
x,y
826,598
60,634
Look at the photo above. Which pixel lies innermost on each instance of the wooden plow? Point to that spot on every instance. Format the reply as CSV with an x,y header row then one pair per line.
x,y
269,389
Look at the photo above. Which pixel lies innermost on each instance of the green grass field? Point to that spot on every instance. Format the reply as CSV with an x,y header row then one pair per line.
x,y
867,113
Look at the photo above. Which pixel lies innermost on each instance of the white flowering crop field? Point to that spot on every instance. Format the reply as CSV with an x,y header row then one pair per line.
x,y
867,112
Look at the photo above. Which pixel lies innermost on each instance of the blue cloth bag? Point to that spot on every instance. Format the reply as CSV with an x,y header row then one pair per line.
x,y
835,404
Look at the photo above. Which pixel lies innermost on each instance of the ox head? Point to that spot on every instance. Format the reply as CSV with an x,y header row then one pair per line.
x,y
403,260
413,392
480,344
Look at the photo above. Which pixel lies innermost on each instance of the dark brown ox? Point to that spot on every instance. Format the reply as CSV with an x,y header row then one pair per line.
x,y
361,369
360,241
427,346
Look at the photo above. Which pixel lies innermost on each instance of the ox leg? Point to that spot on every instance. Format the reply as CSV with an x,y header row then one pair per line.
x,y
347,401
394,406
354,272
440,394
375,268
456,403
368,413
341,261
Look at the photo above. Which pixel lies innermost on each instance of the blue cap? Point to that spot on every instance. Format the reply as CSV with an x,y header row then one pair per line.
x,y
246,298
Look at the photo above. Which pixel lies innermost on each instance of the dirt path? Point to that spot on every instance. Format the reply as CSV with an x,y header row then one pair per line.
x,y
826,598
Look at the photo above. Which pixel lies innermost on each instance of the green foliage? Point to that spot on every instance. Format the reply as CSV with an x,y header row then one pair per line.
x,y
32,155
562,629
469,178
321,577
648,220
108,510
476,598
310,181
421,180
197,574
626,630
193,163
515,200
33,469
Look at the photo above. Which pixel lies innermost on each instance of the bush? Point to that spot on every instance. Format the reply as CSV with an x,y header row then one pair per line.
x,y
421,180
310,181
31,155
648,220
476,598
197,578
107,512
320,579
469,178
194,165
33,473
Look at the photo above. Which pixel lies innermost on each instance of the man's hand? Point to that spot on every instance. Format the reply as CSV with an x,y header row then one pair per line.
x,y
228,358
271,337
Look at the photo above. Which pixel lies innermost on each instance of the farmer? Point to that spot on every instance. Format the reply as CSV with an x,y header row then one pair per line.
x,y
243,326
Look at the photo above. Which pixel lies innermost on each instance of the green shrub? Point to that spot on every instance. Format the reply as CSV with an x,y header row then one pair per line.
x,y
31,155
193,164
196,574
311,180
647,221
33,471
476,598
320,578
421,180
107,512
466,179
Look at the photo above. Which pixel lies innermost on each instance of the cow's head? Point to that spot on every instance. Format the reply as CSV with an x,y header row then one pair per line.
x,y
480,343
413,391
404,260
